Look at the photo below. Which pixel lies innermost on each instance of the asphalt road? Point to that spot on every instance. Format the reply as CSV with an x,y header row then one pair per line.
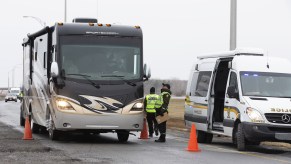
x,y
104,148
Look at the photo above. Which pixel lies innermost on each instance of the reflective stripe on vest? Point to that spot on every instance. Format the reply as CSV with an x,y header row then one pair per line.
x,y
160,101
151,101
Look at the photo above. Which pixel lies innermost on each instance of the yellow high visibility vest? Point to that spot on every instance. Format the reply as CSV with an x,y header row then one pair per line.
x,y
151,102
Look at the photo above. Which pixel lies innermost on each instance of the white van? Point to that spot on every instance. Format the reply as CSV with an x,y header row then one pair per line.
x,y
243,94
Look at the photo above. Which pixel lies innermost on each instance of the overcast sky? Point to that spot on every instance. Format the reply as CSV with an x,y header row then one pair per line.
x,y
175,31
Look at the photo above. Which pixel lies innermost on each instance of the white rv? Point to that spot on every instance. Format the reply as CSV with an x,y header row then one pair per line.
x,y
84,76
243,94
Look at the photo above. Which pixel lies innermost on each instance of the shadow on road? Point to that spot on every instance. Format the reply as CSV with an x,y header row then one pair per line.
x,y
263,149
81,138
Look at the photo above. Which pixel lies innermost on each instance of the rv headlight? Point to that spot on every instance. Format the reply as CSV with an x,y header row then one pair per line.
x,y
138,105
255,115
64,105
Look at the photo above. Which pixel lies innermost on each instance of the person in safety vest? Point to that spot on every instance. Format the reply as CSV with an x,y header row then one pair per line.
x,y
149,105
161,108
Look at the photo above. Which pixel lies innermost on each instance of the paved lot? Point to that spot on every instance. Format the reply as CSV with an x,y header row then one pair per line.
x,y
105,148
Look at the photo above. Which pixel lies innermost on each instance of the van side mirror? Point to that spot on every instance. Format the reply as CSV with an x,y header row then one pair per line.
x,y
232,92
54,70
146,72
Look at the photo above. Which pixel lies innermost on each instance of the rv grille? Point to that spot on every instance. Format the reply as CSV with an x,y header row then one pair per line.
x,y
279,118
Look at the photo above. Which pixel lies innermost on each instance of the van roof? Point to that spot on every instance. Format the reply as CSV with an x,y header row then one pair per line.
x,y
236,52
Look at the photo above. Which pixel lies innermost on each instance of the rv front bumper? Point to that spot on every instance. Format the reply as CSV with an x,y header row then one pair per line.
x,y
266,132
68,122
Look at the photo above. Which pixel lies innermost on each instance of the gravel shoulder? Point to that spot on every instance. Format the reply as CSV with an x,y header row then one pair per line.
x,y
15,150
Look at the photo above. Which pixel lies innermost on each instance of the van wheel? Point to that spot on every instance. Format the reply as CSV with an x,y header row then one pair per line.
x,y
123,136
240,138
203,137
53,133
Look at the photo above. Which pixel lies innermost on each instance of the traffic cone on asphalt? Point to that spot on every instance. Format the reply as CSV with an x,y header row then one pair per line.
x,y
27,130
192,144
144,132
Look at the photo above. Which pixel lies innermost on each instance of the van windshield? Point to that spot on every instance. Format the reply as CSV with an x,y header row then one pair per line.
x,y
101,58
266,84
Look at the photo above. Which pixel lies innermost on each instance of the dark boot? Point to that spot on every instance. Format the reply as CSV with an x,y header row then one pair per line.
x,y
162,138
156,131
151,135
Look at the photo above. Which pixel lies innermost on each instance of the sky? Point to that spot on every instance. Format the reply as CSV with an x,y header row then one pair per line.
x,y
175,31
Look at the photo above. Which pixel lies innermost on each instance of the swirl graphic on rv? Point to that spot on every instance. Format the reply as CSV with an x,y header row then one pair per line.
x,y
102,104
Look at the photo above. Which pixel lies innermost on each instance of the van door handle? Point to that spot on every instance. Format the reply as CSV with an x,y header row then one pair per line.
x,y
226,102
205,100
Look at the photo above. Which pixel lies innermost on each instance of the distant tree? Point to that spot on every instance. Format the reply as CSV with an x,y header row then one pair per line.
x,y
178,87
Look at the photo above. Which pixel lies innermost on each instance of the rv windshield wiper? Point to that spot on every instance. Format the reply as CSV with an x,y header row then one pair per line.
x,y
87,77
121,78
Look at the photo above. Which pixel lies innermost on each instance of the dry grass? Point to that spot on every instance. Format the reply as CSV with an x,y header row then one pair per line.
x,y
176,112
176,108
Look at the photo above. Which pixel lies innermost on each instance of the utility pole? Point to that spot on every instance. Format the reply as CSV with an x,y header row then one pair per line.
x,y
65,11
233,24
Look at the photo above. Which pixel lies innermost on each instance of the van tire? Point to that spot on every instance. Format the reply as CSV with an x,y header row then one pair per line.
x,y
240,138
203,137
123,136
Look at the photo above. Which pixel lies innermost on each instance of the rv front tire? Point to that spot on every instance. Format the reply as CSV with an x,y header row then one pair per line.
x,y
122,136
22,120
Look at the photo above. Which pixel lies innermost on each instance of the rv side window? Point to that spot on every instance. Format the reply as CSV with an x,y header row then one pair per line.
x,y
203,83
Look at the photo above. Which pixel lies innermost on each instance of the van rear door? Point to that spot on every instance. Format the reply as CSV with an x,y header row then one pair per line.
x,y
199,99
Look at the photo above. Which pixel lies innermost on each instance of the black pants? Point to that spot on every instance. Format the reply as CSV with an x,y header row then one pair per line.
x,y
163,128
152,122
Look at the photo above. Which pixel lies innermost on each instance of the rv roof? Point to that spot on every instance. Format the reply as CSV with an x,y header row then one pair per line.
x,y
245,51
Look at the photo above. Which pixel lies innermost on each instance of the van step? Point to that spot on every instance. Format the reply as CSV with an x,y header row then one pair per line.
x,y
217,126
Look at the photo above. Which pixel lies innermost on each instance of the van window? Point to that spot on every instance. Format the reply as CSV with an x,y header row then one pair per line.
x,y
203,83
193,83
233,80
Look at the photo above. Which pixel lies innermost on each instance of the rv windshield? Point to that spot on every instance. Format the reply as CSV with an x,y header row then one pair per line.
x,y
266,84
101,58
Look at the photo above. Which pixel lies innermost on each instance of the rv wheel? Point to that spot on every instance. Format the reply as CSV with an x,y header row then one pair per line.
x,y
240,138
53,133
35,128
122,136
22,120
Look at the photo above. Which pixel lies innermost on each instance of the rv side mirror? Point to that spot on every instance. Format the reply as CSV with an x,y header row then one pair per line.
x,y
232,92
146,72
54,69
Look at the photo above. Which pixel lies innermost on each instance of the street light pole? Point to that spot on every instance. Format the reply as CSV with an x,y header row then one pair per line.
x,y
42,23
65,11
233,24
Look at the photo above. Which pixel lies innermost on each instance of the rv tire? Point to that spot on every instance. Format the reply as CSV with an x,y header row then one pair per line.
x,y
22,120
122,136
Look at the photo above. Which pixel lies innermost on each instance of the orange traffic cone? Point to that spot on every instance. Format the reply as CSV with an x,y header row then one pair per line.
x,y
27,130
144,132
192,144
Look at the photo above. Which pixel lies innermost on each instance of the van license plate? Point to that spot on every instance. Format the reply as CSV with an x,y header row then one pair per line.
x,y
283,136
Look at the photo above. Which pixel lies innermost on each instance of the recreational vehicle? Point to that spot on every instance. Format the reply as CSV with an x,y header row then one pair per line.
x,y
243,94
84,76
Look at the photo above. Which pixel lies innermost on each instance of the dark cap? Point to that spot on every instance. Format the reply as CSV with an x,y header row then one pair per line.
x,y
167,85
152,90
